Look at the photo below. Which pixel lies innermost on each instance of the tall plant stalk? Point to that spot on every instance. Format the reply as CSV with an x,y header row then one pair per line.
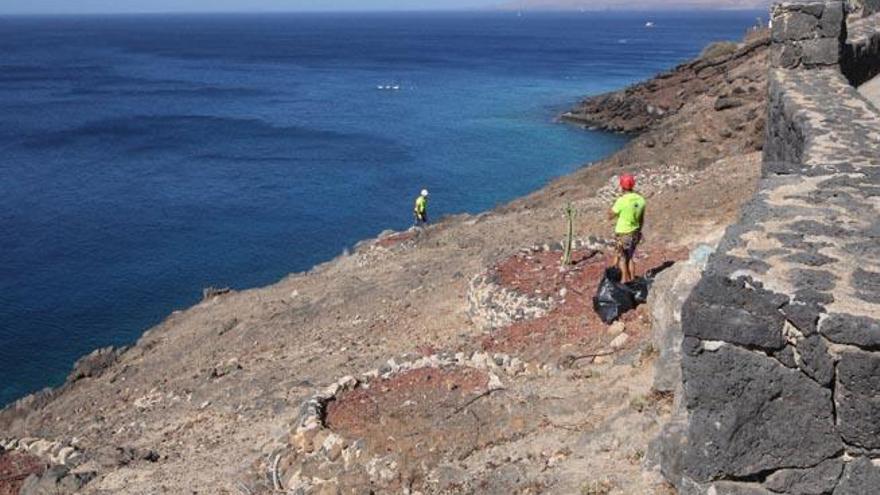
x,y
568,245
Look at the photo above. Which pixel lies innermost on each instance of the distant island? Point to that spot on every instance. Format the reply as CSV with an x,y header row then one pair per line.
x,y
637,5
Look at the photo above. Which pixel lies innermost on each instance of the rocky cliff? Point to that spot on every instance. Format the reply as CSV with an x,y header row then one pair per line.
x,y
718,75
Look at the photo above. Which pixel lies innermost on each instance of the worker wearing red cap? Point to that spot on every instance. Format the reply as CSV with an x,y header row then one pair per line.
x,y
629,212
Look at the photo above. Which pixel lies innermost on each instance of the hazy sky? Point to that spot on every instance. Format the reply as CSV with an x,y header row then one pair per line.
x,y
93,6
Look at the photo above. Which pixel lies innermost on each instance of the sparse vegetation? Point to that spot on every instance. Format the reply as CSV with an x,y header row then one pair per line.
x,y
636,456
639,403
719,49
597,487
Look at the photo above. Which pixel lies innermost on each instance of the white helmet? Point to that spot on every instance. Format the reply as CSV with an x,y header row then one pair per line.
x,y
425,193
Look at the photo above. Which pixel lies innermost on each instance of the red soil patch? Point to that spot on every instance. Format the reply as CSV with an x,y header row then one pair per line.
x,y
395,239
572,326
359,412
15,467
423,416
538,274
426,350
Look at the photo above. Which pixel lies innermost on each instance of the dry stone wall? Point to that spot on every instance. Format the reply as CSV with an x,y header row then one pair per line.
x,y
781,348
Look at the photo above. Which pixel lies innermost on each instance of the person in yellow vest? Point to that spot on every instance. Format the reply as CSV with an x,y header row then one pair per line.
x,y
421,209
629,213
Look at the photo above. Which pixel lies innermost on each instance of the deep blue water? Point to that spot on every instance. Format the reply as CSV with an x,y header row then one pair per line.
x,y
143,158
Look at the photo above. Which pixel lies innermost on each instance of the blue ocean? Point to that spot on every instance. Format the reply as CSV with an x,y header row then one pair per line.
x,y
146,157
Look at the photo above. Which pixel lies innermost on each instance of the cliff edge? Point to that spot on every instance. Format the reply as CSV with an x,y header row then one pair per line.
x,y
457,359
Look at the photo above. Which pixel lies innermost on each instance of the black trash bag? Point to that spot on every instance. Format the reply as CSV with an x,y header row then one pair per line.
x,y
652,273
613,298
639,288
642,285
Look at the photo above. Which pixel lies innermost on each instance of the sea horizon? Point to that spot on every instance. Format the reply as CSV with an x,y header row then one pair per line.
x,y
398,12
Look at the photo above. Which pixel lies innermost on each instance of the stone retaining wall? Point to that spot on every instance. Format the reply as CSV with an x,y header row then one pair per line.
x,y
492,306
781,349
312,440
53,452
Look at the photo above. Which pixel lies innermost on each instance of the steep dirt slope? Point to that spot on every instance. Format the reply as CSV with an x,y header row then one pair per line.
x,y
210,401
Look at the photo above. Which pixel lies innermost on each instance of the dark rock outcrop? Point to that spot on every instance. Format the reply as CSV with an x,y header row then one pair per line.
x,y
94,364
818,480
858,401
750,414
726,78
859,478
57,480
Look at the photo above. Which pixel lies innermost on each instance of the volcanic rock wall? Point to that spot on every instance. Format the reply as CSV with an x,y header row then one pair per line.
x,y
781,348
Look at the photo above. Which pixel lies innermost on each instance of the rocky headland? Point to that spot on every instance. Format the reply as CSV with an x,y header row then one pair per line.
x,y
458,359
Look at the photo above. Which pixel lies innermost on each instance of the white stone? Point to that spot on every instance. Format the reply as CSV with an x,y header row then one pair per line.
x,y
393,365
480,360
516,366
64,455
495,382
347,383
712,345
73,458
40,448
332,446
619,341
330,391
26,442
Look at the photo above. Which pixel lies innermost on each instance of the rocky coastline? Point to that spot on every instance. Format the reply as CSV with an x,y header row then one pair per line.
x,y
434,335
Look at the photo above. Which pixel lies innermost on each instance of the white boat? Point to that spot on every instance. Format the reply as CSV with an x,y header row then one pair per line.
x,y
649,24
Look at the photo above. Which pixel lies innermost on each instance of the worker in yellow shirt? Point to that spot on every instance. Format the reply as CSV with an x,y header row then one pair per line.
x,y
629,213
421,209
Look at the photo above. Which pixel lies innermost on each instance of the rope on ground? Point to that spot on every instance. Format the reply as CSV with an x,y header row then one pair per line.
x,y
568,361
467,404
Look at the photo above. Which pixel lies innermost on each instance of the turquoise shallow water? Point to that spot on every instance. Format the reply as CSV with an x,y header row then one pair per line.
x,y
144,158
